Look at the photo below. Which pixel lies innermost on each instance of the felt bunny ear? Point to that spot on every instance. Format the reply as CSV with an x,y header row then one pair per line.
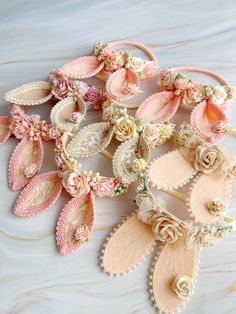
x,y
90,140
126,155
82,68
170,171
175,266
68,113
127,246
75,223
25,162
39,194
209,197
158,108
122,84
5,132
30,94
206,120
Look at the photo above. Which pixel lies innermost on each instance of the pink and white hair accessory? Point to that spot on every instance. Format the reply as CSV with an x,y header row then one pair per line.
x,y
208,102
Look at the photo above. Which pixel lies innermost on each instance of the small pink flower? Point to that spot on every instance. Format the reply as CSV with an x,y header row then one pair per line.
x,y
52,132
30,170
61,85
91,95
19,126
75,183
149,69
129,88
16,111
181,84
219,127
75,117
104,187
81,233
60,160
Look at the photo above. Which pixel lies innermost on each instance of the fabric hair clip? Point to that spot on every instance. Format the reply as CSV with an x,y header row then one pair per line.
x,y
125,71
174,269
209,167
207,118
77,217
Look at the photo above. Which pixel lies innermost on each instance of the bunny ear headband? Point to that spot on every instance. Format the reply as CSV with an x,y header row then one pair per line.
x,y
209,103
175,265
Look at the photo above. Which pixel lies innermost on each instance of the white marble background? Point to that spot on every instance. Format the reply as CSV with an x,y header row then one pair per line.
x,y
37,36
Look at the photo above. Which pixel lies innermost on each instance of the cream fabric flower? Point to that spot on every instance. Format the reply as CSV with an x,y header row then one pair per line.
x,y
184,134
108,113
167,228
216,207
208,159
125,128
182,286
138,165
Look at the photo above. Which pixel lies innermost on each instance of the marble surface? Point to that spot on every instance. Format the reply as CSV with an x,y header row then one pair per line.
x,y
37,36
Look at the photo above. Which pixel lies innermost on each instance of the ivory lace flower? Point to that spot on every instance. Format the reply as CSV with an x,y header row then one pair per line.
x,y
125,128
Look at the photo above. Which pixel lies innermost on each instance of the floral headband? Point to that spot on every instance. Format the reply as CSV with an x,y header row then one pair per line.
x,y
210,170
124,69
174,268
77,217
207,118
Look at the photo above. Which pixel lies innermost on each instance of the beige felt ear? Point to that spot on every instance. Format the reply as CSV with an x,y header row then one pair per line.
x,y
127,246
170,171
5,132
175,259
204,189
30,94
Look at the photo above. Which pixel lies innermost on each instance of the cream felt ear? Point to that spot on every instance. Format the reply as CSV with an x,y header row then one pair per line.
x,y
42,191
158,108
125,155
174,259
30,94
76,220
68,113
82,68
127,246
204,190
90,140
170,171
5,132
25,162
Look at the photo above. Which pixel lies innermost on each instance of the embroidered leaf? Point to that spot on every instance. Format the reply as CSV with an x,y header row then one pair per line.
x,y
170,171
82,67
39,194
127,246
77,212
62,113
204,118
158,108
4,129
124,156
175,259
30,94
205,190
26,160
91,140
118,82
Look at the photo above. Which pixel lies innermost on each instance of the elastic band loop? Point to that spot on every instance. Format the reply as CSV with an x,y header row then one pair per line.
x,y
201,70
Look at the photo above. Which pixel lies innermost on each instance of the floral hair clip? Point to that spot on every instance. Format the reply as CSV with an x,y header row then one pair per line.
x,y
137,138
210,192
207,118
174,268
77,217
124,69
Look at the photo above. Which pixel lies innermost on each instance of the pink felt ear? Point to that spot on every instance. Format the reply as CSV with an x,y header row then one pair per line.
x,y
5,132
25,162
175,259
170,171
122,84
75,223
30,94
127,246
204,117
82,68
205,189
39,194
158,108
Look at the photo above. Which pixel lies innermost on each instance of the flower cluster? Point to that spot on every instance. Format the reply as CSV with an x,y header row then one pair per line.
x,y
63,87
23,125
194,93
